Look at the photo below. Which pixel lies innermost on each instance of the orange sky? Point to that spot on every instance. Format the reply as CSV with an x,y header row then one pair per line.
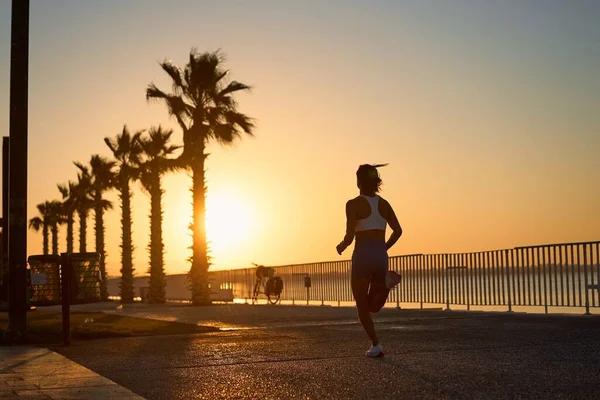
x,y
487,114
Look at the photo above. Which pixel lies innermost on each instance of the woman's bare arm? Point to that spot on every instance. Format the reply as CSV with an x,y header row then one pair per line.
x,y
392,221
350,227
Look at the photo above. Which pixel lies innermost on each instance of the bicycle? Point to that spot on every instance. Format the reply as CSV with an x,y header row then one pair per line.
x,y
268,284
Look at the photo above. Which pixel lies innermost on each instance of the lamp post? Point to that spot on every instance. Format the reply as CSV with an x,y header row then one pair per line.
x,y
17,230
5,145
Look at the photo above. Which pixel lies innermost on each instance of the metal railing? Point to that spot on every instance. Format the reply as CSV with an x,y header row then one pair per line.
x,y
556,275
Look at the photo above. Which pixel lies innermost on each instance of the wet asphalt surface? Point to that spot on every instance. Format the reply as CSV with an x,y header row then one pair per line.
x,y
318,353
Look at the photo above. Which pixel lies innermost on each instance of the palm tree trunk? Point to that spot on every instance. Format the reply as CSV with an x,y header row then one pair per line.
x,y
45,238
99,232
70,232
200,264
157,271
54,238
82,230
127,245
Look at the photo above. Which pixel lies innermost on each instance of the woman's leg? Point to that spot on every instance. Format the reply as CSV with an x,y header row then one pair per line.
x,y
377,297
360,290
378,292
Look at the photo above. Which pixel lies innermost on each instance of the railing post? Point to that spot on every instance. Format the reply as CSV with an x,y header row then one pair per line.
x,y
396,262
585,280
447,283
542,261
468,292
321,275
65,273
246,279
512,265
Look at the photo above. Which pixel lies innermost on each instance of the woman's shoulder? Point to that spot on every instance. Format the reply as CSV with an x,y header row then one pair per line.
x,y
384,206
381,199
353,202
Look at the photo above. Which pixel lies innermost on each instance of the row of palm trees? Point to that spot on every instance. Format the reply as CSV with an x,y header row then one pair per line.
x,y
138,156
202,102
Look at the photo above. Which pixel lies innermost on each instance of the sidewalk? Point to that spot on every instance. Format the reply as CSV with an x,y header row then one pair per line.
x,y
35,373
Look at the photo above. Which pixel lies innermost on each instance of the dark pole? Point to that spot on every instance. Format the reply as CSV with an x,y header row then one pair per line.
x,y
66,272
5,144
17,230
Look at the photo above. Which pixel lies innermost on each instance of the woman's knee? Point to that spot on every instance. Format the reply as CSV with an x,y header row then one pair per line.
x,y
363,307
377,297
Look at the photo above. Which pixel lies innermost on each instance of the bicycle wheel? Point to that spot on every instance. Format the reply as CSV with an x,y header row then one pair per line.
x,y
274,298
256,292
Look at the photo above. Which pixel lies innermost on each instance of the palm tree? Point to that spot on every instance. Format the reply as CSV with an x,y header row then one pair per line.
x,y
126,150
42,222
101,175
69,193
56,217
202,103
156,151
83,204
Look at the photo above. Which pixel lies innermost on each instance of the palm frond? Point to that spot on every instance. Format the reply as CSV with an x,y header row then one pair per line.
x,y
225,134
36,224
100,163
64,191
84,169
102,172
107,205
245,123
56,214
176,106
154,93
174,73
234,86
111,145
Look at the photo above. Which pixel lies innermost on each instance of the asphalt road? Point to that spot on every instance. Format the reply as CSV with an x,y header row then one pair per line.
x,y
311,352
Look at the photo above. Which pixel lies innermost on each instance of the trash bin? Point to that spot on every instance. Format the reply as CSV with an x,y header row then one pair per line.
x,y
44,280
85,280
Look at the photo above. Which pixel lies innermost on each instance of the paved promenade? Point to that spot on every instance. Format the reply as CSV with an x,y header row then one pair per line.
x,y
28,372
281,352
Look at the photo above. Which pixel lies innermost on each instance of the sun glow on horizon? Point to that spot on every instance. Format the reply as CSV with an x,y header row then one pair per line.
x,y
229,223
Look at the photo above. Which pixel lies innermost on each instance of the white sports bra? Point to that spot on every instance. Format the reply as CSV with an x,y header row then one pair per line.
x,y
374,221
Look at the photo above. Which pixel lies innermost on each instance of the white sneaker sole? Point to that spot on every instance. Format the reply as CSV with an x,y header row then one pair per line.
x,y
392,279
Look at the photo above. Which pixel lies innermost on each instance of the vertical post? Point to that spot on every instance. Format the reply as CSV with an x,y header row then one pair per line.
x,y
246,279
322,282
512,266
66,269
586,281
542,261
419,280
5,167
447,283
17,235
396,261
468,279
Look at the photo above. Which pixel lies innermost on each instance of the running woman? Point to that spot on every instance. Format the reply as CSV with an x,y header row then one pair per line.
x,y
366,218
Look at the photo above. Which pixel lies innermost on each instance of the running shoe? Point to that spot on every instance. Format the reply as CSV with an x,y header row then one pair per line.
x,y
392,279
375,351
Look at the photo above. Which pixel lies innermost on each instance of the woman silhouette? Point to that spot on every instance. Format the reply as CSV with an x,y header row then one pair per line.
x,y
366,218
